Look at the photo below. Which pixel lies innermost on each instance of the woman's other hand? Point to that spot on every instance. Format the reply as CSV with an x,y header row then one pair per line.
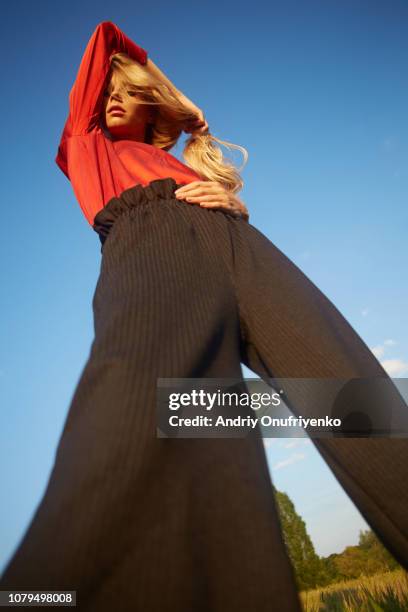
x,y
211,194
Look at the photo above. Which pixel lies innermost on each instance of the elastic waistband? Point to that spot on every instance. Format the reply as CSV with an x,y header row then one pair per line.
x,y
134,196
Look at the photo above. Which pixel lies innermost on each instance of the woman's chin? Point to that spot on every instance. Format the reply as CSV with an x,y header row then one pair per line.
x,y
116,128
118,131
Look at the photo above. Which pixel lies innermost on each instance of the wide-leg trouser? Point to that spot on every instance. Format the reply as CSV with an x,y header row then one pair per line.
x,y
135,522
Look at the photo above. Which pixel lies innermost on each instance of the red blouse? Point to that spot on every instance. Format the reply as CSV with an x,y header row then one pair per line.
x,y
99,168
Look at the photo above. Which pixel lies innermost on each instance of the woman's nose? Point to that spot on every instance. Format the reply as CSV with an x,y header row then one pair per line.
x,y
115,94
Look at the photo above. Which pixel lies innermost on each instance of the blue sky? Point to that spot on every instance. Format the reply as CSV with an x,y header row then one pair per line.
x,y
315,91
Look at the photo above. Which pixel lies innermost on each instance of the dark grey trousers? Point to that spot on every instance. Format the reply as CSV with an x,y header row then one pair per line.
x,y
133,522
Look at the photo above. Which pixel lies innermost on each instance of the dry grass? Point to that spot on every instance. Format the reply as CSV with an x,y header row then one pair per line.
x,y
386,592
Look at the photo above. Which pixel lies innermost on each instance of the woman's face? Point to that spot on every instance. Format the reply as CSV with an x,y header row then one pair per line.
x,y
126,117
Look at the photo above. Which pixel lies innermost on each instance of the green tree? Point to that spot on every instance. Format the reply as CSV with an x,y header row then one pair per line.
x,y
306,563
329,572
351,563
376,551
368,558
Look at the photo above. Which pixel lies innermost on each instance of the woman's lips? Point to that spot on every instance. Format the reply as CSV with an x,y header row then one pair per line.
x,y
117,112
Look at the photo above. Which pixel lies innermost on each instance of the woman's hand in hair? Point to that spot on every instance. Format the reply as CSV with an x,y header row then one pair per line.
x,y
212,194
197,125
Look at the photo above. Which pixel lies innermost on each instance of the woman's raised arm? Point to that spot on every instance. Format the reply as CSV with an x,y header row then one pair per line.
x,y
86,95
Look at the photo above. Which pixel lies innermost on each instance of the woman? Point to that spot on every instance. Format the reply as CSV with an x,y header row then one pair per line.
x,y
131,521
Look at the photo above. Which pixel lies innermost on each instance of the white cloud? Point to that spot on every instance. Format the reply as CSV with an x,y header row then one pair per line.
x,y
378,351
290,461
395,367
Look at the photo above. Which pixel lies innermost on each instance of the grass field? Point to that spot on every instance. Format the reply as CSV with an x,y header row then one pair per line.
x,y
386,592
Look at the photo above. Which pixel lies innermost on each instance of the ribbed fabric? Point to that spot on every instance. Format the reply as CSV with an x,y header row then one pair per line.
x,y
292,330
133,522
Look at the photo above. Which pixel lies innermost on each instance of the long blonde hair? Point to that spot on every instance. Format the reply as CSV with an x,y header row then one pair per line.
x,y
200,152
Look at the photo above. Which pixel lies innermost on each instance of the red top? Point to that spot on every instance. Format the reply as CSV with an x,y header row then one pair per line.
x,y
99,168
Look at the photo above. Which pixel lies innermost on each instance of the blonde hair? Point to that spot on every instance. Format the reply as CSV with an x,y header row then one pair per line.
x,y
201,153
